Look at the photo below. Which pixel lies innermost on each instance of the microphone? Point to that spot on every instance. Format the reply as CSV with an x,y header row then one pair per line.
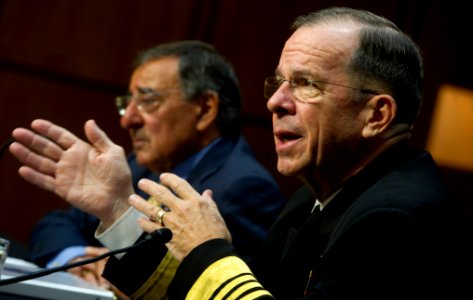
x,y
162,235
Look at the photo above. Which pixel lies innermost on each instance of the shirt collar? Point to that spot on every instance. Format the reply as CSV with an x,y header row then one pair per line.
x,y
321,205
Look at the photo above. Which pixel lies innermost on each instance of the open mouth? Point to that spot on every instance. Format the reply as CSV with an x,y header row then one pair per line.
x,y
285,141
285,136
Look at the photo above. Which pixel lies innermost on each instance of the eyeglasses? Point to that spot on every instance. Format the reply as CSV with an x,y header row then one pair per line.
x,y
304,89
147,100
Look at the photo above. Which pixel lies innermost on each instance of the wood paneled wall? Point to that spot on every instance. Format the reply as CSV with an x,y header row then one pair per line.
x,y
66,60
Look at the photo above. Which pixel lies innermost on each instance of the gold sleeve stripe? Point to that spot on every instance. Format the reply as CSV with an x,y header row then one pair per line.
x,y
234,284
156,286
256,295
227,278
251,290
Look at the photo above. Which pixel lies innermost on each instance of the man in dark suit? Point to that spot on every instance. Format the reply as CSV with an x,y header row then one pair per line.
x,y
374,219
182,113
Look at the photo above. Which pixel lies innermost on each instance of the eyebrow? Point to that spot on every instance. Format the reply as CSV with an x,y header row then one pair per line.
x,y
298,73
144,90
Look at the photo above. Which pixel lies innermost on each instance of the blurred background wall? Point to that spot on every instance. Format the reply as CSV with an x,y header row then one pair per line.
x,y
66,60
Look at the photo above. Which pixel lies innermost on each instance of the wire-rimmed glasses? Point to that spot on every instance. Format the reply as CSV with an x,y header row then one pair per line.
x,y
147,100
303,88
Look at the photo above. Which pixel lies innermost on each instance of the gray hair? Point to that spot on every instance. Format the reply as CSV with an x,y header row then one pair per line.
x,y
386,60
203,69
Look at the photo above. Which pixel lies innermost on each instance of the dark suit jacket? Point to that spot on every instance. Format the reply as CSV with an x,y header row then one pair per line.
x,y
393,232
245,192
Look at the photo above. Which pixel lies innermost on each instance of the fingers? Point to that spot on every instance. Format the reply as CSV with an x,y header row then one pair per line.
x,y
149,210
42,148
97,136
38,155
32,159
39,179
163,195
90,276
193,218
93,278
143,206
148,226
59,135
207,194
86,272
92,272
37,143
181,187
120,295
97,267
160,193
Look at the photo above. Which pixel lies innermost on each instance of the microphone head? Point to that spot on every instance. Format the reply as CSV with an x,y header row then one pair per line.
x,y
162,235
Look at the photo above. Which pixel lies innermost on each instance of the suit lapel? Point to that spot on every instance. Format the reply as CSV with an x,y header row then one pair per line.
x,y
210,163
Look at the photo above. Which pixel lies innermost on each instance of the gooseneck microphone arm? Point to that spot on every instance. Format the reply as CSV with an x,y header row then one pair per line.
x,y
162,235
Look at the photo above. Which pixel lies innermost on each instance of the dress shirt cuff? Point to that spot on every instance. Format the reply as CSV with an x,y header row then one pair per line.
x,y
66,255
123,233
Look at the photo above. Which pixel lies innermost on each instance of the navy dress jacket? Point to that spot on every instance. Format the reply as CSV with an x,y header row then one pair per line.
x,y
393,232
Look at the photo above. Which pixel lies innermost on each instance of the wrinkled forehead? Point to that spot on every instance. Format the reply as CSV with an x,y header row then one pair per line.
x,y
322,46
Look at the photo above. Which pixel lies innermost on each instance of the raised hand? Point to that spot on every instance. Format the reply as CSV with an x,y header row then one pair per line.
x,y
193,218
93,176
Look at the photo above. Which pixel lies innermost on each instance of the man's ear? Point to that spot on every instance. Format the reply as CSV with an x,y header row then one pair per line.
x,y
380,113
208,109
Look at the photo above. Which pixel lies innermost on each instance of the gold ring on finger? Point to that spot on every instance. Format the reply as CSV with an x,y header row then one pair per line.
x,y
160,215
153,218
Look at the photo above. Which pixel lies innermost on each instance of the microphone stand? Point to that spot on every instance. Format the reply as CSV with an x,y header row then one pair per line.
x,y
162,235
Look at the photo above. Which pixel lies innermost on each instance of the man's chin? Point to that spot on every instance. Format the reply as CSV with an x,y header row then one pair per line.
x,y
285,168
141,158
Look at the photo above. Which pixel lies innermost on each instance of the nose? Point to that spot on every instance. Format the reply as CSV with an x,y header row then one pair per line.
x,y
281,102
132,117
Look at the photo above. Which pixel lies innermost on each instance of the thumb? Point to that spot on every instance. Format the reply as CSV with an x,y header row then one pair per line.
x,y
207,194
97,137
